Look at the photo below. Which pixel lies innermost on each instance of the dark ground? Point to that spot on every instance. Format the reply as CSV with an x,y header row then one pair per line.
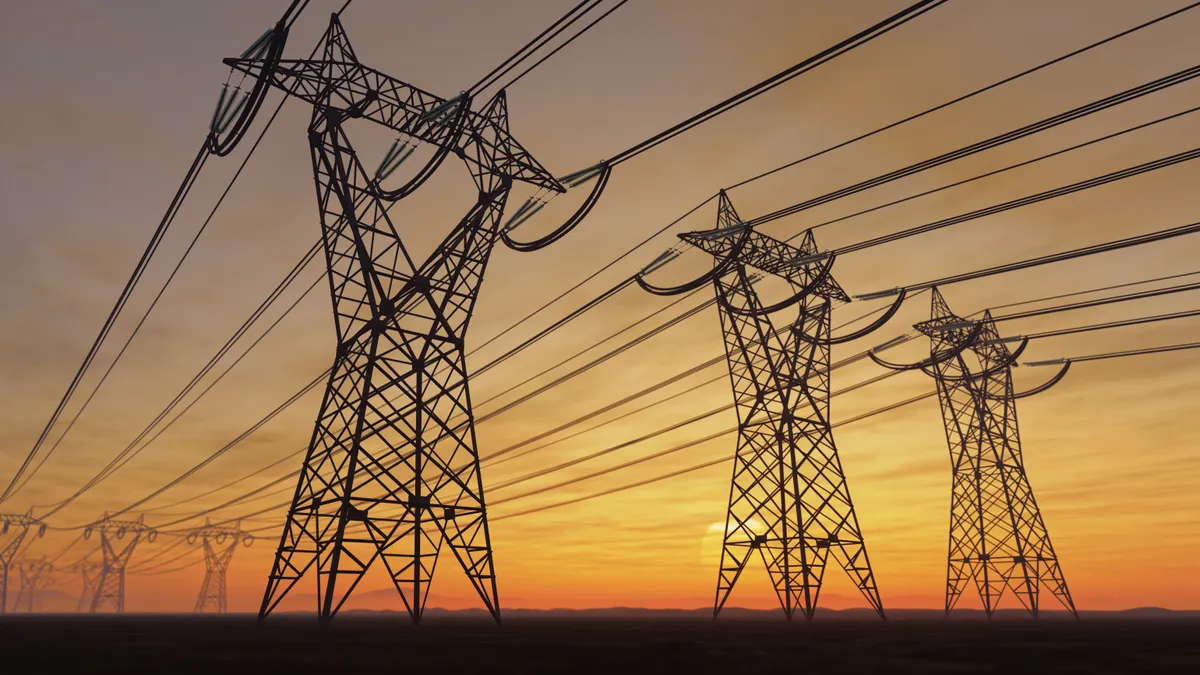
x,y
357,643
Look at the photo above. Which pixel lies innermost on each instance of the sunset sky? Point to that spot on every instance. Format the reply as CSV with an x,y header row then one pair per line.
x,y
107,103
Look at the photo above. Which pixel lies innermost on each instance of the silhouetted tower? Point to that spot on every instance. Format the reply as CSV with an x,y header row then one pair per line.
x,y
35,575
392,470
89,574
219,544
15,531
998,540
118,539
788,498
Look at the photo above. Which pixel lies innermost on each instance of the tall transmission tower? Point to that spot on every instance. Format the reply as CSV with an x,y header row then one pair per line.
x,y
220,543
998,539
35,574
118,539
788,497
392,471
15,530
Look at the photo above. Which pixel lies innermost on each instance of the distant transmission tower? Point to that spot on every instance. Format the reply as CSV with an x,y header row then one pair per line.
x,y
34,576
392,470
219,543
90,574
14,532
118,539
998,540
788,498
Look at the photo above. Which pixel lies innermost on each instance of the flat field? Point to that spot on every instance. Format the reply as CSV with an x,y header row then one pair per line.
x,y
388,643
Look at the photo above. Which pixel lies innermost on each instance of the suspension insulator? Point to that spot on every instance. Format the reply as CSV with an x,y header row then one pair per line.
x,y
441,111
151,535
42,530
247,540
121,533
220,538
229,106
523,214
191,539
573,180
663,258
396,155
87,533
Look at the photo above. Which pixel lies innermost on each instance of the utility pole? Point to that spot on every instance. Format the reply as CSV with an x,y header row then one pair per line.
x,y
118,539
14,531
392,472
998,539
789,500
34,576
219,543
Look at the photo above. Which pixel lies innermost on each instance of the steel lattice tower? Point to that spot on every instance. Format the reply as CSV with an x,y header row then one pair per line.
x,y
392,470
118,539
33,573
14,532
90,574
998,539
788,496
219,544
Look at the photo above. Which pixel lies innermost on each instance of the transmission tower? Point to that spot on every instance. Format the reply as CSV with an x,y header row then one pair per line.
x,y
788,498
90,574
118,539
998,540
14,532
219,543
392,470
34,576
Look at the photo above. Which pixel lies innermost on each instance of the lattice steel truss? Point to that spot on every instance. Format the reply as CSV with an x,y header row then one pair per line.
x,y
15,532
220,543
788,498
392,471
35,575
89,575
118,540
998,539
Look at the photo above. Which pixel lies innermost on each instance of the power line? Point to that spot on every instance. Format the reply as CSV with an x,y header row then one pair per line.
x,y
882,28
207,149
964,97
1118,355
1154,86
697,467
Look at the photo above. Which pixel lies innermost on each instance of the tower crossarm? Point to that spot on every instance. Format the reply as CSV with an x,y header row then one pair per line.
x,y
803,267
345,84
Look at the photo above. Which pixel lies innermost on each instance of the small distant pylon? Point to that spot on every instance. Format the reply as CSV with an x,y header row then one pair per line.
x,y
998,539
35,575
219,543
90,574
14,532
789,499
118,539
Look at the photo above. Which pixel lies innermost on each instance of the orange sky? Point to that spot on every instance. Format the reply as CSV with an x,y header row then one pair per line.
x,y
113,100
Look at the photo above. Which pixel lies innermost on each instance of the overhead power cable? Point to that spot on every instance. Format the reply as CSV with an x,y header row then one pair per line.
x,y
843,144
181,194
1080,186
696,467
1107,325
1154,86
1118,355
531,68
540,40
882,28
